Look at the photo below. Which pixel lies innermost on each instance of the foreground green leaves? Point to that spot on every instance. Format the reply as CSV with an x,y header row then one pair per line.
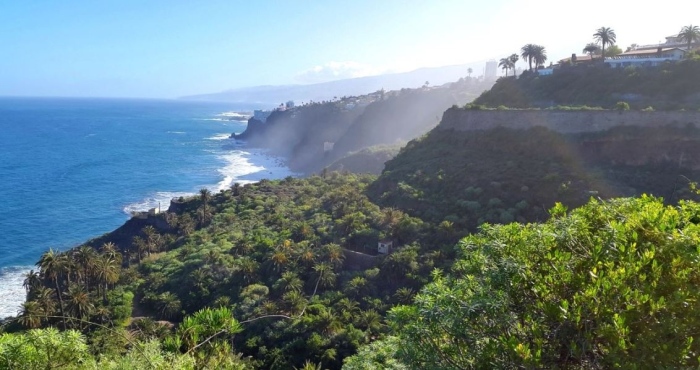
x,y
613,284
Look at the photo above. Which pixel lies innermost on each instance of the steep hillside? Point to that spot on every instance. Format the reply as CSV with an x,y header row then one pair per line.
x,y
404,116
368,160
354,123
670,86
502,175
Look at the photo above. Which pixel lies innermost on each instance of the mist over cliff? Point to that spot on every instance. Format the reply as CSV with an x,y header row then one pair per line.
x,y
266,95
314,135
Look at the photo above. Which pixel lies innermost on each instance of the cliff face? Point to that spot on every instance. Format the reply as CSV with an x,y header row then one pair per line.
x,y
354,123
500,166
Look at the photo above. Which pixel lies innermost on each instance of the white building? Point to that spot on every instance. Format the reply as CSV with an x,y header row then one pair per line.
x,y
645,58
385,247
261,115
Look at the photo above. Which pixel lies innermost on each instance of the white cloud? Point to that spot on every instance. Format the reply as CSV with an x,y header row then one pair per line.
x,y
337,71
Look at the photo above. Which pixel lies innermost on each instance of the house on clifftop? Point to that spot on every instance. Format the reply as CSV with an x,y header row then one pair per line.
x,y
645,58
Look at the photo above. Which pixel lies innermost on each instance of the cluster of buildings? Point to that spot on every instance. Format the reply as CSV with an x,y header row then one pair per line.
x,y
673,49
262,115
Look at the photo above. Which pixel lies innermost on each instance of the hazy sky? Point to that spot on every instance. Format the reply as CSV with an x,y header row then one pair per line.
x,y
169,48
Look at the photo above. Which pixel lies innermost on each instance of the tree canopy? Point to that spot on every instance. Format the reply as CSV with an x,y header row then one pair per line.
x,y
609,285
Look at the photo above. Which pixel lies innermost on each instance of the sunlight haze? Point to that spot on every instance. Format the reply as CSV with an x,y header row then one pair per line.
x,y
166,49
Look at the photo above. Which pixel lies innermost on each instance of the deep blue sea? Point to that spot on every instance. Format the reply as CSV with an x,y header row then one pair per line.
x,y
73,169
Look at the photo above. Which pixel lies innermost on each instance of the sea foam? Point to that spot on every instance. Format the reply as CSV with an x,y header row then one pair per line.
x,y
251,165
12,292
159,199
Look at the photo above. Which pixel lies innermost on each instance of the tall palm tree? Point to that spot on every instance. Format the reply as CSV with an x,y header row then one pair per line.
x,y
689,34
79,303
540,56
52,263
514,58
505,64
45,298
591,49
153,239
110,250
106,270
85,258
31,281
528,53
605,36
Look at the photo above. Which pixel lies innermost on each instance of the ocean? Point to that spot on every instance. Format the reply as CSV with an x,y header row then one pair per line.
x,y
74,169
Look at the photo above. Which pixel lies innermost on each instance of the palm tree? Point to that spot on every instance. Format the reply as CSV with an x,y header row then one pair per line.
x,y
168,305
514,58
52,264
205,195
153,239
591,49
289,281
106,271
505,64
689,34
79,303
31,315
110,250
540,56
605,35
85,258
31,281
45,298
528,53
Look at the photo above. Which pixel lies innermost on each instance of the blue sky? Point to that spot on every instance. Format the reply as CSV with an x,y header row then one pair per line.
x,y
171,48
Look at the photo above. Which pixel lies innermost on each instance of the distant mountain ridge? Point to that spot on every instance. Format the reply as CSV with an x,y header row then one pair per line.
x,y
273,95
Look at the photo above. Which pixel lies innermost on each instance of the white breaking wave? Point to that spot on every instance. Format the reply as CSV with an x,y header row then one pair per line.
x,y
239,116
220,137
12,293
177,132
251,165
161,198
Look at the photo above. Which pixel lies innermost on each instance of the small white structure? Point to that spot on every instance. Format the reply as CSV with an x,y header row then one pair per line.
x,y
385,246
328,146
645,58
154,211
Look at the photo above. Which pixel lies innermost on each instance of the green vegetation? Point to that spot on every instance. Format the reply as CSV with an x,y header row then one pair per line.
x,y
690,34
266,275
269,257
533,52
609,285
670,86
605,36
622,106
502,175
369,160
286,274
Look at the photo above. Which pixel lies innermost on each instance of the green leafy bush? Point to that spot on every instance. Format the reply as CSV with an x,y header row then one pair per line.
x,y
612,284
621,105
